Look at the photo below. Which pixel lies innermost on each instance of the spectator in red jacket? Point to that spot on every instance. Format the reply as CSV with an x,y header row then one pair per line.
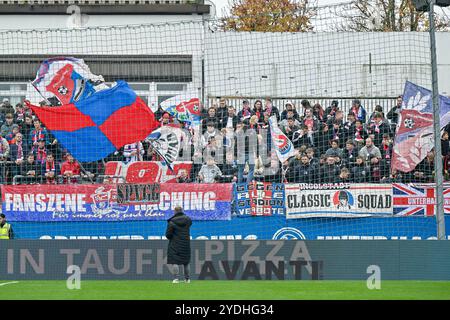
x,y
69,169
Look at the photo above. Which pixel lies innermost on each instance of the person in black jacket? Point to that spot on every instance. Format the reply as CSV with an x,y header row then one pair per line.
x,y
304,172
329,171
179,249
394,113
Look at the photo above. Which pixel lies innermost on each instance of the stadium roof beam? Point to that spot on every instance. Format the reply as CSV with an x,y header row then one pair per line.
x,y
109,7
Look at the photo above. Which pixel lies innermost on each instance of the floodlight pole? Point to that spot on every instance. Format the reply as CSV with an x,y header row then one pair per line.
x,y
440,220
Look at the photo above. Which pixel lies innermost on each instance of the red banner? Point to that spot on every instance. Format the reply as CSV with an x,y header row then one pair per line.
x,y
145,171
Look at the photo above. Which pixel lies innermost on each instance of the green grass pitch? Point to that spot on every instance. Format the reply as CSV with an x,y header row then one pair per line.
x,y
225,290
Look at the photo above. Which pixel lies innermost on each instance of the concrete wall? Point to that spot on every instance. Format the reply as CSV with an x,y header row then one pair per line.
x,y
326,65
322,64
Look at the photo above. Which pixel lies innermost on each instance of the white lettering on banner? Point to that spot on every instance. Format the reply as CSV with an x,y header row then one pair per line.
x,y
204,201
340,200
45,202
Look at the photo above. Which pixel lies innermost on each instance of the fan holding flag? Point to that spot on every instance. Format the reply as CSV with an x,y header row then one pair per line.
x,y
84,112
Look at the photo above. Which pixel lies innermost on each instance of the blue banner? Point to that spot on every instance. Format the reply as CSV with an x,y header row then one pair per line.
x,y
245,227
259,199
93,203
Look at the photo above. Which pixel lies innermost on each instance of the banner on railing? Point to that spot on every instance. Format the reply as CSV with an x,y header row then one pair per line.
x,y
337,200
259,199
145,171
418,199
100,202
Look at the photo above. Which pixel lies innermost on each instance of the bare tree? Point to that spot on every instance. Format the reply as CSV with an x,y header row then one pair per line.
x,y
387,15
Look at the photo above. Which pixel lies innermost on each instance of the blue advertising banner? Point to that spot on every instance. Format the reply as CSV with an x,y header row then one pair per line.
x,y
249,227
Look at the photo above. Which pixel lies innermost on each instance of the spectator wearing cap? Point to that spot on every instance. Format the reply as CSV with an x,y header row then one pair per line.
x,y
246,111
271,109
6,128
331,110
289,106
69,169
38,133
211,118
358,110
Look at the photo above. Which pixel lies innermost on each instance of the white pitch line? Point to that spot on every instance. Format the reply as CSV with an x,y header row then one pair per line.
x,y
12,282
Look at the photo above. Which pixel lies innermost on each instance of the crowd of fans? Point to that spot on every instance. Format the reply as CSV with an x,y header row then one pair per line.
x,y
330,146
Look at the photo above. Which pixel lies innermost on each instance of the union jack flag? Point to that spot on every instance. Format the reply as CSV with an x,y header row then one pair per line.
x,y
417,199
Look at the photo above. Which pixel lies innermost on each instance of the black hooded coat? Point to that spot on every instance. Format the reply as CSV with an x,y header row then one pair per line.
x,y
179,250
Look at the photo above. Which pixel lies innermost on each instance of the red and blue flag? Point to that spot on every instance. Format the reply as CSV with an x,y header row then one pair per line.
x,y
94,127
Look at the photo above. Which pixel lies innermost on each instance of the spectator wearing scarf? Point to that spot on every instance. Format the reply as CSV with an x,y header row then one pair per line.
x,y
51,169
358,110
246,112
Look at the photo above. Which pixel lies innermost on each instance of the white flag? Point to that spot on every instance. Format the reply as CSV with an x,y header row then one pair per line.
x,y
283,146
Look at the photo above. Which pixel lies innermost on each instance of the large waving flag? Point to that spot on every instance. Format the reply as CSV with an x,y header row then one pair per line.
x,y
93,128
184,107
283,146
64,80
166,141
415,134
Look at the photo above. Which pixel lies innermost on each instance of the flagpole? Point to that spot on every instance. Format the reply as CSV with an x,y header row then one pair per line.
x,y
48,102
438,168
